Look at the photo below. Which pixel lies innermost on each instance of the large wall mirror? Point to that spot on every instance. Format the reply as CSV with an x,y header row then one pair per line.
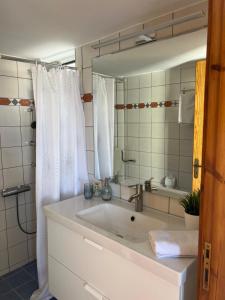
x,y
144,101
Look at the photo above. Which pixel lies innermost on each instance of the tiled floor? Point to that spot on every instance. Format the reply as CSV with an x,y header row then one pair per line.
x,y
19,284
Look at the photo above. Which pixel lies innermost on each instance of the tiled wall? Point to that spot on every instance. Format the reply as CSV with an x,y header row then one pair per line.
x,y
152,135
85,54
17,159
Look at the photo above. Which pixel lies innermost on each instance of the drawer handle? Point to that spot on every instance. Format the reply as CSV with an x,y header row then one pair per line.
x,y
93,292
97,246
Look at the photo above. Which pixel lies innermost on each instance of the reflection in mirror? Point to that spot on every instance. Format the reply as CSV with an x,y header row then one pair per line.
x,y
148,92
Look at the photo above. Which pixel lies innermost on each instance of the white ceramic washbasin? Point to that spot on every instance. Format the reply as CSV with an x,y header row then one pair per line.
x,y
122,222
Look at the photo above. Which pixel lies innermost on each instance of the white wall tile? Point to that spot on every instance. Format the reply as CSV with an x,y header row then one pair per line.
x,y
11,157
158,78
29,174
4,260
11,216
158,145
2,220
145,159
26,116
88,54
13,177
172,92
145,94
9,87
27,135
10,136
158,115
158,160
172,114
133,96
120,97
157,175
145,115
3,240
186,147
187,74
18,253
133,82
172,146
32,249
88,113
186,131
90,161
186,164
28,155
89,138
132,144
145,130
87,80
185,181
25,88
24,70
158,93
145,172
133,130
2,201
9,115
8,68
30,211
145,144
172,162
158,130
173,75
145,80
15,236
172,131
132,116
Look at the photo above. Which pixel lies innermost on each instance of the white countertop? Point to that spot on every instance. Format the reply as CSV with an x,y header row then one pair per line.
x,y
170,269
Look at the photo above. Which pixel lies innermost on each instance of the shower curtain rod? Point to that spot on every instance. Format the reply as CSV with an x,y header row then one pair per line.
x,y
102,75
33,61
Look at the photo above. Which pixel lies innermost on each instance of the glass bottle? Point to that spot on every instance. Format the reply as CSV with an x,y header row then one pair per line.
x,y
106,190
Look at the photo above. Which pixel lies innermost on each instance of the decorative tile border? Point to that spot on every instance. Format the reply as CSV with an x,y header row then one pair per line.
x,y
87,97
16,102
153,104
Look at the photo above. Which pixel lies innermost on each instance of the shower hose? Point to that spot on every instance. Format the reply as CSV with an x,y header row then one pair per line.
x,y
18,217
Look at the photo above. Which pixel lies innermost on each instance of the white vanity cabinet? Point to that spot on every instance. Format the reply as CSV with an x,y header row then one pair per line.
x,y
81,269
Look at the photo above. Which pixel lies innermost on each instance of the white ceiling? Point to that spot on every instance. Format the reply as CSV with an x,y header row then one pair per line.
x,y
154,56
38,29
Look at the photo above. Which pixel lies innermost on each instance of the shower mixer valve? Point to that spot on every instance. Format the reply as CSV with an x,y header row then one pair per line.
x,y
15,190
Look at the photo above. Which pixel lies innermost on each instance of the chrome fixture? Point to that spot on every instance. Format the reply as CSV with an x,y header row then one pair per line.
x,y
138,197
148,185
152,30
126,160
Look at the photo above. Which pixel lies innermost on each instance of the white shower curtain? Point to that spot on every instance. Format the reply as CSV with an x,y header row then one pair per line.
x,y
61,167
103,92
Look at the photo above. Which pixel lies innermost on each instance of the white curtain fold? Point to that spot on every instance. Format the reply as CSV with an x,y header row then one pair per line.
x,y
103,99
61,167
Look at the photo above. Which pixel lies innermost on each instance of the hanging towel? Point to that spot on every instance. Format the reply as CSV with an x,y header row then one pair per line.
x,y
174,243
186,108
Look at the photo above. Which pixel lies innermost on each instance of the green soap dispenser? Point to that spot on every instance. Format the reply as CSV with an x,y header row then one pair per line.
x,y
106,190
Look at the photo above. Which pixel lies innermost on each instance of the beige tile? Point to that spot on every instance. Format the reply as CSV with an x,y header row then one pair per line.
x,y
133,82
186,164
27,135
172,92
158,160
28,155
30,211
78,55
10,136
186,147
132,143
172,162
187,74
145,172
158,115
145,115
11,201
120,97
145,159
26,116
172,131
133,96
32,249
171,114
157,175
186,131
158,130
145,130
29,174
175,208
2,220
2,201
172,146
133,129
145,144
185,181
158,93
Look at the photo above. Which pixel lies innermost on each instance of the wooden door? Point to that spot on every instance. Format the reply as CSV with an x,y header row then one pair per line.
x,y
212,214
199,122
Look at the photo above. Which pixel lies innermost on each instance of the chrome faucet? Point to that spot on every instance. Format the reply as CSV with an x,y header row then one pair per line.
x,y
138,197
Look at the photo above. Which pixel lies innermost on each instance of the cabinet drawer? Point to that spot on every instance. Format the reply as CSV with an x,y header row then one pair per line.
x,y
64,285
112,275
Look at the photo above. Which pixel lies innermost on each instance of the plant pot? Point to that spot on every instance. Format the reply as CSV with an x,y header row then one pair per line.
x,y
191,222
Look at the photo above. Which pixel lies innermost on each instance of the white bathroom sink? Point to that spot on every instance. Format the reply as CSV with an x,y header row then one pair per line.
x,y
122,222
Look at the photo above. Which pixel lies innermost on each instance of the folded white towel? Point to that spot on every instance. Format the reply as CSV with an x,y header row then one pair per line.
x,y
174,243
186,108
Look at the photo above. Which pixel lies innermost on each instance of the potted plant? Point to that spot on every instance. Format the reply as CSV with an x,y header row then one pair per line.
x,y
191,204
